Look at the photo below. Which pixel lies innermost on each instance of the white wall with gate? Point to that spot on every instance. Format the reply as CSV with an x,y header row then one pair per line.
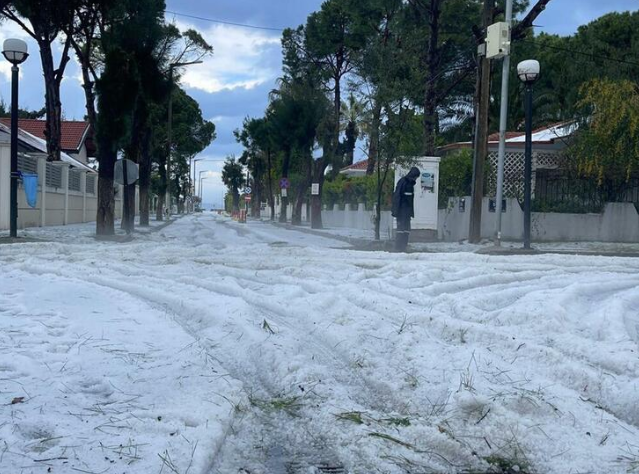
x,y
426,192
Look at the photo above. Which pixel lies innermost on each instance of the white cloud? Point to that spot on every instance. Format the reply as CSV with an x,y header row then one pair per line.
x,y
240,59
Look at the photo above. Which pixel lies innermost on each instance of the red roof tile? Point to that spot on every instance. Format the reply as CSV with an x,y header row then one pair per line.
x,y
495,136
72,131
360,165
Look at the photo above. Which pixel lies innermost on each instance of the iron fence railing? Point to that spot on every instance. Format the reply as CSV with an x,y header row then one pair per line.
x,y
561,191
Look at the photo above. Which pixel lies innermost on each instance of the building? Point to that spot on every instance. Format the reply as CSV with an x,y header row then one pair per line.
x,y
355,170
548,145
77,136
67,189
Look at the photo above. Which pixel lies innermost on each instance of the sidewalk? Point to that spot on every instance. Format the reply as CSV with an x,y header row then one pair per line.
x,y
80,232
364,241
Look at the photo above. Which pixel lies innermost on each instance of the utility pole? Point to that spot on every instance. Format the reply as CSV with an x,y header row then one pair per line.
x,y
503,124
481,130
167,196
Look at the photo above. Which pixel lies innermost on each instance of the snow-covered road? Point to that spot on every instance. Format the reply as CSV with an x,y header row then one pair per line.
x,y
214,347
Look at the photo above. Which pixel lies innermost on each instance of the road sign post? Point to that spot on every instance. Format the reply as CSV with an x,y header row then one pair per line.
x,y
126,173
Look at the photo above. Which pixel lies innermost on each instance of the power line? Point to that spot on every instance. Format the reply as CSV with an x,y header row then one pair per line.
x,y
212,20
582,53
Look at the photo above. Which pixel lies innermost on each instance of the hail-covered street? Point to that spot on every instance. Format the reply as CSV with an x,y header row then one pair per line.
x,y
215,347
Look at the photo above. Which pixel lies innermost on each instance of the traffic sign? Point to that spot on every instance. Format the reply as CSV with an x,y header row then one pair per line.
x,y
285,183
132,172
247,198
247,190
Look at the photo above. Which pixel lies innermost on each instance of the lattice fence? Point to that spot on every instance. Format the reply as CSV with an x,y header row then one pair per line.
x,y
514,171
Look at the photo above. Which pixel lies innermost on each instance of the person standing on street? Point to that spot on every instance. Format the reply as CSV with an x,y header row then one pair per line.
x,y
403,208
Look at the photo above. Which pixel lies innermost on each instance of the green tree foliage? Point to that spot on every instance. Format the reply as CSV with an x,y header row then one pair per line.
x,y
44,20
606,147
258,138
358,190
606,48
132,29
233,178
5,111
174,48
191,135
455,176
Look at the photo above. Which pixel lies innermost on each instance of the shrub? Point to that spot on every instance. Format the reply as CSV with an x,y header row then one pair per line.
x,y
455,176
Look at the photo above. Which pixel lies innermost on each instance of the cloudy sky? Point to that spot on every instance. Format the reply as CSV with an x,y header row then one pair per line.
x,y
235,82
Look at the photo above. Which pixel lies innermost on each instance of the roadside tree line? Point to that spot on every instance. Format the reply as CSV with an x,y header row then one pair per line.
x,y
387,79
125,50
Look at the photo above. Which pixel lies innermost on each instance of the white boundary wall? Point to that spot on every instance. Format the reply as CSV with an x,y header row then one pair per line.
x,y
55,205
618,223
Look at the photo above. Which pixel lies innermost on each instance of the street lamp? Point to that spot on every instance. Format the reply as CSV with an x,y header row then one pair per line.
x,y
170,131
201,190
528,72
200,182
16,52
195,160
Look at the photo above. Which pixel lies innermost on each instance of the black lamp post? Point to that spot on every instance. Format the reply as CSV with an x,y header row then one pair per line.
x,y
528,72
16,52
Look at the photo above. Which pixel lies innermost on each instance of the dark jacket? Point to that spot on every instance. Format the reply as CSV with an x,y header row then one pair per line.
x,y
403,197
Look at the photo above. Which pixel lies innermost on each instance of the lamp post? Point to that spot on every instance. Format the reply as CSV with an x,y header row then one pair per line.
x,y
170,131
200,182
503,123
192,165
195,174
16,52
201,190
528,72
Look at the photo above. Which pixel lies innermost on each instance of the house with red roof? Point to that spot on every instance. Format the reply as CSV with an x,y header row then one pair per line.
x,y
355,170
549,139
548,144
77,136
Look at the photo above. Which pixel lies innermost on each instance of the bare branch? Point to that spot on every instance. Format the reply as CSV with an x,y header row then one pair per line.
x,y
519,31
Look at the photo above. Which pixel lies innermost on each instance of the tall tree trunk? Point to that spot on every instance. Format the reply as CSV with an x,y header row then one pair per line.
x,y
236,200
378,207
133,153
53,105
481,133
302,192
271,198
159,211
373,147
284,199
106,195
432,67
89,88
319,167
145,178
128,211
